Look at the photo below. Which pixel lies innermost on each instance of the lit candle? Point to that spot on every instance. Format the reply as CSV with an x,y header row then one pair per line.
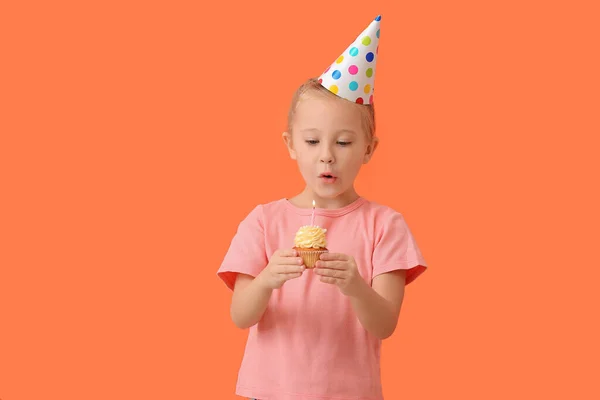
x,y
312,219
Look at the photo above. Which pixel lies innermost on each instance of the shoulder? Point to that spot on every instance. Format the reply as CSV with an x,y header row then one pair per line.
x,y
381,211
386,220
274,207
258,213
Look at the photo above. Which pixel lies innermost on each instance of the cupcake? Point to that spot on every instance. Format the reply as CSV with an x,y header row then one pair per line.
x,y
310,243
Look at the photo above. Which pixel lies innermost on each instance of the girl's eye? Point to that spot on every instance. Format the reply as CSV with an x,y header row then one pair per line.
x,y
313,142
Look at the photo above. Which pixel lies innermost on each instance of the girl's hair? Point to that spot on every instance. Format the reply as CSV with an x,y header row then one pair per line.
x,y
367,111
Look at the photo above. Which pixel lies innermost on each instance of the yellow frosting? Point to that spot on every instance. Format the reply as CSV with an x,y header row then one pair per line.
x,y
310,237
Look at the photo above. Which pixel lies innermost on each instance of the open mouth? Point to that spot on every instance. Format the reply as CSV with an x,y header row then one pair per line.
x,y
328,178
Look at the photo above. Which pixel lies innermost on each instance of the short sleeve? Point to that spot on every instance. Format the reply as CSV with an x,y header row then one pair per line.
x,y
246,253
397,249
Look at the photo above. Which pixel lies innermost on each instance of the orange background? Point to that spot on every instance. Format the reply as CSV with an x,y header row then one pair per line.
x,y
136,135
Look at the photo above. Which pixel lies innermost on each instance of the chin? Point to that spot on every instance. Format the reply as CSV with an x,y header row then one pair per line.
x,y
328,193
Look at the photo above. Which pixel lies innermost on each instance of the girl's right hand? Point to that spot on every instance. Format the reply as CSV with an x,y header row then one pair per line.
x,y
283,266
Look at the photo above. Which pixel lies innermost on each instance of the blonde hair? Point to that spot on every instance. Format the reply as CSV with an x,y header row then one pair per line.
x,y
367,111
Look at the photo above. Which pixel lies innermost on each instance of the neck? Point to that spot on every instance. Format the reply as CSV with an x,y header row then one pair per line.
x,y
304,199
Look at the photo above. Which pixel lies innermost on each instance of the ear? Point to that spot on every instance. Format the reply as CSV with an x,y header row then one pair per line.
x,y
370,150
287,139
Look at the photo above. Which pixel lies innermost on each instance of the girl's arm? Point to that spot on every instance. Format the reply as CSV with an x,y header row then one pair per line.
x,y
251,295
378,307
249,301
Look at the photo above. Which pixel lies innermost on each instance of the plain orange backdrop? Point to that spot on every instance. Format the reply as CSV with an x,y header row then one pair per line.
x,y
136,135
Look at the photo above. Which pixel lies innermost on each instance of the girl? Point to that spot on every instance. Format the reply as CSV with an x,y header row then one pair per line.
x,y
316,333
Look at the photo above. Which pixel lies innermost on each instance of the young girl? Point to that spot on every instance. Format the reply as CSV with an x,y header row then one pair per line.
x,y
315,333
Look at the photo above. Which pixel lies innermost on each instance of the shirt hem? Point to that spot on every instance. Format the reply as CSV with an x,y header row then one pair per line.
x,y
414,269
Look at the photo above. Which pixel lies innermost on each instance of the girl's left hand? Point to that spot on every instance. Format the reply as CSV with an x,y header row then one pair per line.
x,y
340,270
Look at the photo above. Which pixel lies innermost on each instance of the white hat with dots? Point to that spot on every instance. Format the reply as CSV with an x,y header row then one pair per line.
x,y
351,76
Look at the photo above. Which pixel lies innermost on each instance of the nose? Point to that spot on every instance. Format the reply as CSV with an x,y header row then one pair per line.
x,y
327,155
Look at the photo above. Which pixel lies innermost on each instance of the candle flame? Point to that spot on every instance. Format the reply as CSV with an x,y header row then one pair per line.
x,y
313,203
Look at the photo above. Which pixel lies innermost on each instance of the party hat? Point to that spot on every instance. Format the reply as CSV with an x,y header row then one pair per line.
x,y
352,74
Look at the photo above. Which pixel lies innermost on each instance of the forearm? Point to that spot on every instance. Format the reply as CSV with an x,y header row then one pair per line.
x,y
375,313
249,304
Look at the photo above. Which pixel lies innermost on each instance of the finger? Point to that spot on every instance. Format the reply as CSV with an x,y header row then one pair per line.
x,y
330,280
341,265
287,253
289,269
289,261
295,275
330,273
333,256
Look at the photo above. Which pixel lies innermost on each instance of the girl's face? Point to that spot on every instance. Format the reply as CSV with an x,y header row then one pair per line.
x,y
329,143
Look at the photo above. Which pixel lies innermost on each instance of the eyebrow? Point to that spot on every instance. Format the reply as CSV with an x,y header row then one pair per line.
x,y
339,131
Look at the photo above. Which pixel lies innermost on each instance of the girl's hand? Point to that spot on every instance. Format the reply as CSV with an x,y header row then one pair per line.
x,y
340,270
283,266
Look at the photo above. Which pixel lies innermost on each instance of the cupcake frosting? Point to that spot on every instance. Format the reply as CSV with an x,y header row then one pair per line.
x,y
310,236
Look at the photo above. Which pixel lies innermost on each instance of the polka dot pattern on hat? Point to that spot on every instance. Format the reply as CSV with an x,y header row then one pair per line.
x,y
353,72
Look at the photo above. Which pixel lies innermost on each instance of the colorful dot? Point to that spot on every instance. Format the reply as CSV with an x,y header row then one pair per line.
x,y
353,69
377,50
327,69
320,80
378,18
369,72
336,74
360,100
371,99
339,60
378,33
333,89
367,88
370,56
366,41
353,85
354,52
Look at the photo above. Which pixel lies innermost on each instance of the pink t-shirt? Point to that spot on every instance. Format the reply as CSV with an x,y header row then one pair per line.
x,y
309,344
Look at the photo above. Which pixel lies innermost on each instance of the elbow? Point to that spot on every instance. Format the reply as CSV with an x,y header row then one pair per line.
x,y
386,332
243,324
240,322
384,335
389,326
